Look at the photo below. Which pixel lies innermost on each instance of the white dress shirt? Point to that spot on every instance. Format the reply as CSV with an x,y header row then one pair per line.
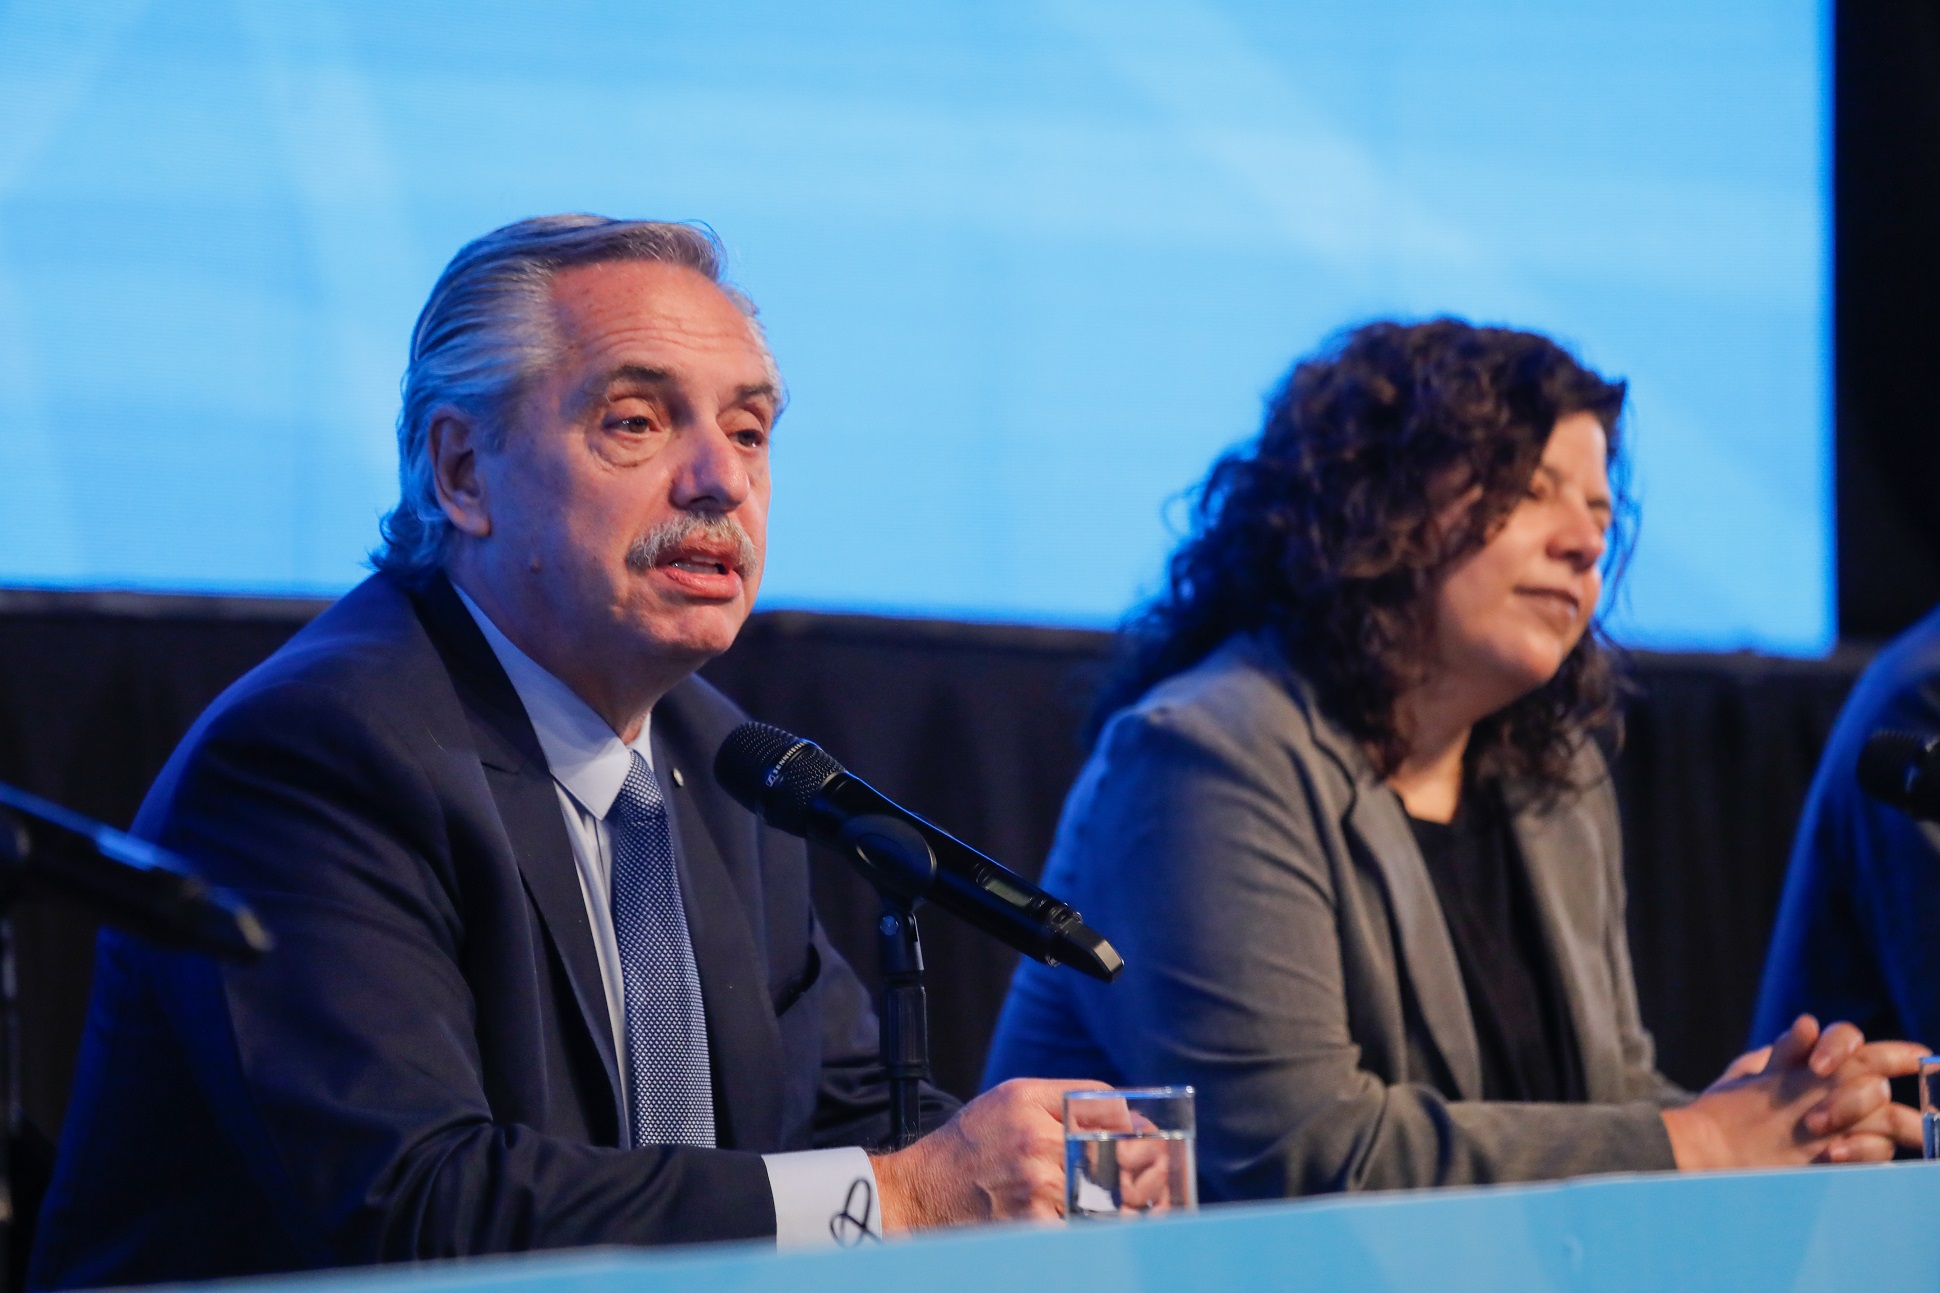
x,y
812,1189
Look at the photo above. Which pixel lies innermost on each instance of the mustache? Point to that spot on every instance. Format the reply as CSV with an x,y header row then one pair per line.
x,y
714,528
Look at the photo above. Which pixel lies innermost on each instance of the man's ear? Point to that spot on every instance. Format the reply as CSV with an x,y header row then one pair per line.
x,y
454,441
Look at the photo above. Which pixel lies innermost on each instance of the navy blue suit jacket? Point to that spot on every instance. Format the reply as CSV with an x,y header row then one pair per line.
x,y
1856,932
424,1067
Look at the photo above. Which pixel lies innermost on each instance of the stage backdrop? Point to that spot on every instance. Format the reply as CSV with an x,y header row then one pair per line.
x,y
1027,265
974,726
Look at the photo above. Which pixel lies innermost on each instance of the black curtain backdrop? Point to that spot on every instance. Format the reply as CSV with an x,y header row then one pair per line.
x,y
1886,331
971,725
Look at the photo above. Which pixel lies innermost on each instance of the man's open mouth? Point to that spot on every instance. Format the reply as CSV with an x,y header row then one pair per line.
x,y
706,552
700,566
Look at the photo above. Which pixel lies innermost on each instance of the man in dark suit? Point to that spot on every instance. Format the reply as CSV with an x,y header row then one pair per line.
x,y
539,982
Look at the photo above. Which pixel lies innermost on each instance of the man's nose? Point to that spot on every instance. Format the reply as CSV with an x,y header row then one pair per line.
x,y
712,476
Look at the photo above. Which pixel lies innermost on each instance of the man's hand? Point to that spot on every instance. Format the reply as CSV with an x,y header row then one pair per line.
x,y
1000,1159
1810,1096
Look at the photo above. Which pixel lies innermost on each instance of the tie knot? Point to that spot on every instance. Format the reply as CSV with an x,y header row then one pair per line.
x,y
639,794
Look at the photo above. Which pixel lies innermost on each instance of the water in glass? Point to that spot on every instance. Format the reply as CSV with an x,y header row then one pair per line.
x,y
1128,1174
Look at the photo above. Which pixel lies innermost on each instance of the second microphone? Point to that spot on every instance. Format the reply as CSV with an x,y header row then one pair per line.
x,y
795,786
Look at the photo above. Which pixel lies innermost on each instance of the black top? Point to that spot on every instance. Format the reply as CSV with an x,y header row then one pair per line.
x,y
1521,1023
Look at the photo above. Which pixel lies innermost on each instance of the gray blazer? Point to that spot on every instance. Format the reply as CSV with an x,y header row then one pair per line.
x,y
1286,955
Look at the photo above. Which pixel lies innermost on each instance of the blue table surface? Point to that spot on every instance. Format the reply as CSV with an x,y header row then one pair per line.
x,y
1866,1228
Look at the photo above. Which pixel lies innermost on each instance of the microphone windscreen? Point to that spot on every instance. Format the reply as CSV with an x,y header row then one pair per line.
x,y
1888,763
773,774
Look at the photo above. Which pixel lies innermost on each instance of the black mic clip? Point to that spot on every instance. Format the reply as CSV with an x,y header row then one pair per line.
x,y
892,855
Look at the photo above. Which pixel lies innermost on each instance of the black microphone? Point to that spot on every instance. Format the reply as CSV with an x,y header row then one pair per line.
x,y
795,786
1903,769
125,881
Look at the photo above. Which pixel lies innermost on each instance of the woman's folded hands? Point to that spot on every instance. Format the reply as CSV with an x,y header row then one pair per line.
x,y
1814,1095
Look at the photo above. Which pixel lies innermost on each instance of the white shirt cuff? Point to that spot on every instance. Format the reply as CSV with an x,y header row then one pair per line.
x,y
824,1198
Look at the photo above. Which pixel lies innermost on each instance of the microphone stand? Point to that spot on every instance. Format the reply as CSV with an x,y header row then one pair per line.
x,y
121,881
794,786
897,860
905,1020
14,848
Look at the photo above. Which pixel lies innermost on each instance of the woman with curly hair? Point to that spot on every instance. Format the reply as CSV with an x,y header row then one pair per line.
x,y
1344,818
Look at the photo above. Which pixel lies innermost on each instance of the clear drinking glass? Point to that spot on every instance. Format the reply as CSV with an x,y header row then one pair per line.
x,y
1929,1105
1129,1153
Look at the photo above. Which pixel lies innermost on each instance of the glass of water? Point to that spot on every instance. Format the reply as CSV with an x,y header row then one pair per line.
x,y
1929,1105
1129,1153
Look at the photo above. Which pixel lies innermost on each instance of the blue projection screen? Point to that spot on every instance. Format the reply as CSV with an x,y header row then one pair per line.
x,y
1027,267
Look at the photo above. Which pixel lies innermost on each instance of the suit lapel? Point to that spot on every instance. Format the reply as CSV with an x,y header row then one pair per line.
x,y
1375,820
1427,952
743,1038
1558,849
522,787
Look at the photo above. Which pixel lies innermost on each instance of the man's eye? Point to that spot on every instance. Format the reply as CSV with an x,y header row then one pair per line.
x,y
636,425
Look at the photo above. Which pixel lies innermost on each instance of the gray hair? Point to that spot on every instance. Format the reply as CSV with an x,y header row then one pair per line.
x,y
487,331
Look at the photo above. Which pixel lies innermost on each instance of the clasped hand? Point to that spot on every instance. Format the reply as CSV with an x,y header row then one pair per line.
x,y
1812,1096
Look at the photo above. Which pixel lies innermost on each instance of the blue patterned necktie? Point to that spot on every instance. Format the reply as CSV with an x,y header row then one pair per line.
x,y
666,1031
